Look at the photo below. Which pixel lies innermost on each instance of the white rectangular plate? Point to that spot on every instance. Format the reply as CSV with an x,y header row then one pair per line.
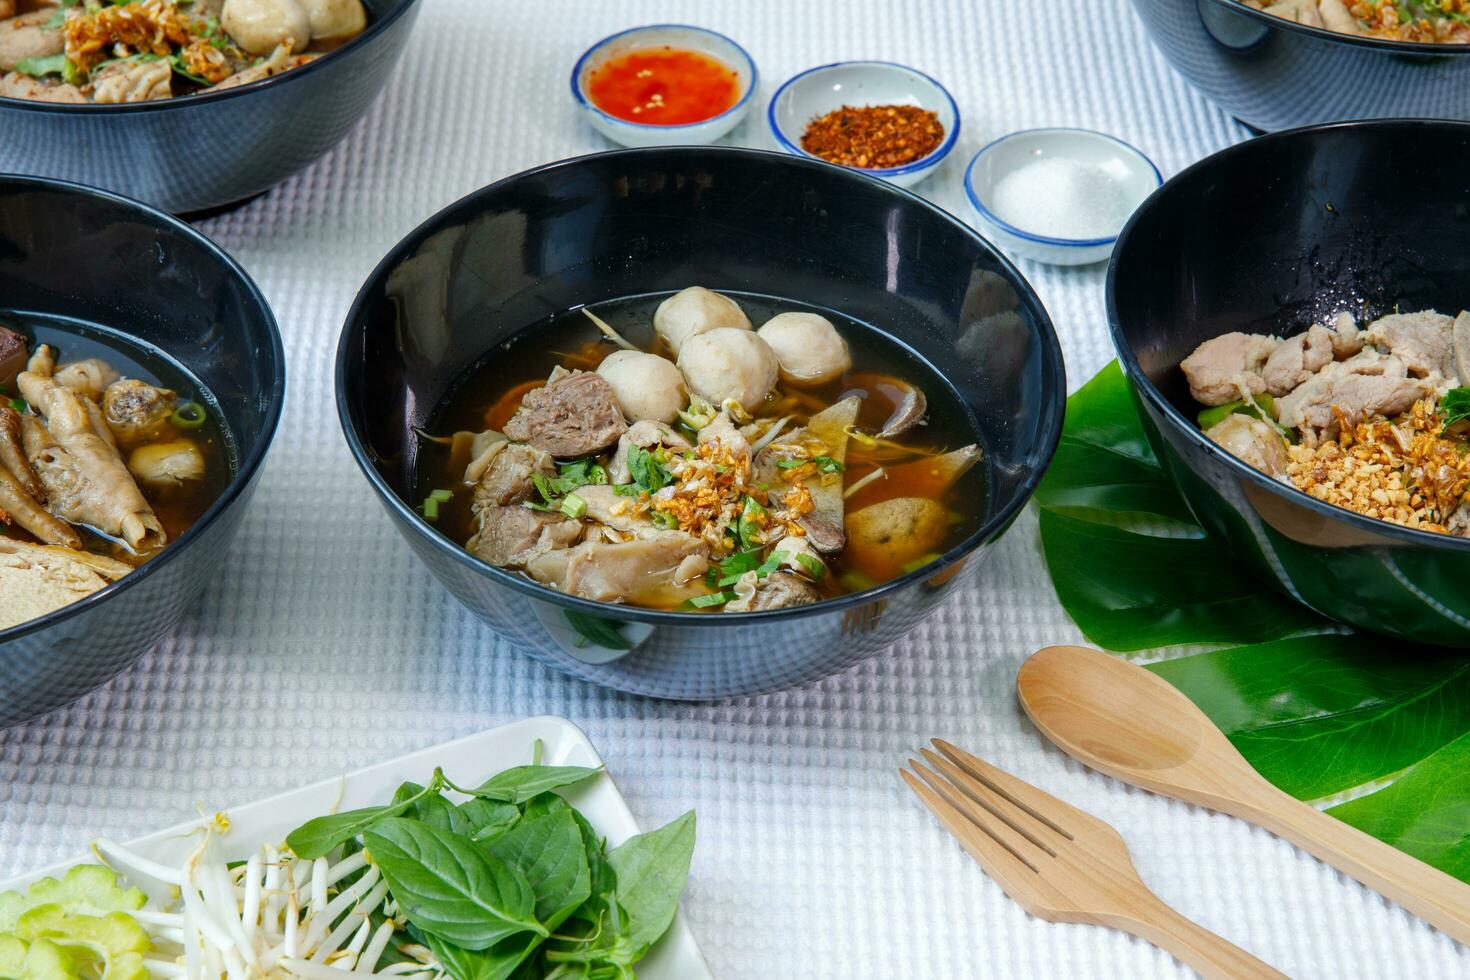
x,y
467,761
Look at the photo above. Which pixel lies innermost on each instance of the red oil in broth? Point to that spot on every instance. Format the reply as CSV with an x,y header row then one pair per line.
x,y
664,87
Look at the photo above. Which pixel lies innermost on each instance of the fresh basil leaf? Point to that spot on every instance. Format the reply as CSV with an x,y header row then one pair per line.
x,y
1425,812
486,818
1318,715
317,837
547,848
523,782
448,885
1103,461
598,630
436,811
541,804
652,870
748,527
496,963
1159,591
602,879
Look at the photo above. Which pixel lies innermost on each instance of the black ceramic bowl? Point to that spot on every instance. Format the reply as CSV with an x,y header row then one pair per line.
x,y
1269,236
643,221
85,254
202,152
1273,74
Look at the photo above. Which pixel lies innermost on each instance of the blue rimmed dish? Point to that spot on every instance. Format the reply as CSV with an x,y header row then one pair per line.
x,y
818,91
684,37
1132,175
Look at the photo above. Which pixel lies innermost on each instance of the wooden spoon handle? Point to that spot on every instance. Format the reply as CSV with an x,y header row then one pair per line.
x,y
1151,920
1432,895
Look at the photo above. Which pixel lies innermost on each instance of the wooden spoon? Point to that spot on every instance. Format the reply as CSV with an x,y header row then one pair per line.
x,y
1129,723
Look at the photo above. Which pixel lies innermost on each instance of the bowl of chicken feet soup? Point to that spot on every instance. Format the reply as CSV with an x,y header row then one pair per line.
x,y
699,422
1295,321
140,383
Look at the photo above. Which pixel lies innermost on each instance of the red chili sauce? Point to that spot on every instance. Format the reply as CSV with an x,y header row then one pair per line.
x,y
664,87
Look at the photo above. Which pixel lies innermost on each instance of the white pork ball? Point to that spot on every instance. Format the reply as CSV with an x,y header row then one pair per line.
x,y
694,311
334,21
809,348
729,363
259,26
646,386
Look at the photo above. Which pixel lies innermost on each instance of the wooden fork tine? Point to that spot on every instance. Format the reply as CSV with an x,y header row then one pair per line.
x,y
969,828
1017,791
986,796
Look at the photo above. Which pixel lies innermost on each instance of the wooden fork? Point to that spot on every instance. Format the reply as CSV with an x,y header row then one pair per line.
x,y
1059,863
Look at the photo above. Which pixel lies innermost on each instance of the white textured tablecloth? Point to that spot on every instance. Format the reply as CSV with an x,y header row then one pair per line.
x,y
322,645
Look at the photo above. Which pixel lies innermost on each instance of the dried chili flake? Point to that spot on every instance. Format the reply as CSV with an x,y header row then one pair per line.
x,y
874,137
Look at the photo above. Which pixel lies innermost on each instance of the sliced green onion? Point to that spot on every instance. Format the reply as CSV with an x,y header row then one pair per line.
x,y
664,519
856,581
189,415
713,599
431,509
573,506
812,564
443,496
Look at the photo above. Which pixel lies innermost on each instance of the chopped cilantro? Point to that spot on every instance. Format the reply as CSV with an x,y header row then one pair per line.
x,y
646,469
1454,406
713,599
748,527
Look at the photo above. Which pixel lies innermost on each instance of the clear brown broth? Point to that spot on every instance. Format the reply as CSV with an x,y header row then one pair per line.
x,y
489,393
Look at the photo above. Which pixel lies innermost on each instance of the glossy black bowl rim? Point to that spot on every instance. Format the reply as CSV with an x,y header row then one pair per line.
x,y
1146,389
374,27
248,464
1353,40
1053,368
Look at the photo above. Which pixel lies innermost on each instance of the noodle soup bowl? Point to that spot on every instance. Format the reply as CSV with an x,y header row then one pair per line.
x,y
1270,236
643,222
82,254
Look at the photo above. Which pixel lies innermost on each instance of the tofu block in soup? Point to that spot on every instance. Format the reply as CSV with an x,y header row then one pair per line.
x,y
702,452
108,451
1374,418
110,51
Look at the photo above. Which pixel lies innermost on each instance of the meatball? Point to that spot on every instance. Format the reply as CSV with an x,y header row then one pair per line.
x,y
729,363
647,386
162,466
808,347
261,26
137,412
334,21
694,311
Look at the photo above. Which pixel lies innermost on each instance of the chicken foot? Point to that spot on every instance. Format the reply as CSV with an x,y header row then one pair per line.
x,y
86,480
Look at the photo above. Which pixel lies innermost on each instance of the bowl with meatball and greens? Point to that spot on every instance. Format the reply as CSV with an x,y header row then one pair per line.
x,y
158,83
658,445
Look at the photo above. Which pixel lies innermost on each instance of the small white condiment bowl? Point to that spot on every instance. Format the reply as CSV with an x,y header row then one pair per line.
x,y
686,38
1134,174
817,91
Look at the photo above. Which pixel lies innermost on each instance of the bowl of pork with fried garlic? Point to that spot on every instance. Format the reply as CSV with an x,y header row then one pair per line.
x,y
699,422
141,380
1293,316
